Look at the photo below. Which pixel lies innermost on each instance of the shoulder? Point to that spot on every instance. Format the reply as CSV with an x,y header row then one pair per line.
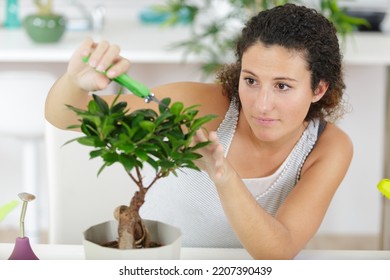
x,y
334,149
208,96
335,140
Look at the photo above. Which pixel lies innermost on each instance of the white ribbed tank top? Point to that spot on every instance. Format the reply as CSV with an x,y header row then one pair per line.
x,y
190,201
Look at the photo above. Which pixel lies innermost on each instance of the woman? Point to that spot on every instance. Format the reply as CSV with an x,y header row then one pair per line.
x,y
276,157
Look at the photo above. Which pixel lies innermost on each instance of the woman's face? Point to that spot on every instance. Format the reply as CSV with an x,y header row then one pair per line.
x,y
275,91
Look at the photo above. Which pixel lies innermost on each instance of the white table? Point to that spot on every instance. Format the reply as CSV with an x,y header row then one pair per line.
x,y
76,252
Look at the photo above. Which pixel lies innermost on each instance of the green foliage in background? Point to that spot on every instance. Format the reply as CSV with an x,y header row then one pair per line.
x,y
44,7
213,35
7,208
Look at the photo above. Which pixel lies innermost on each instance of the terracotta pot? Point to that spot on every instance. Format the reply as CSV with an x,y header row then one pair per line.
x,y
45,28
105,232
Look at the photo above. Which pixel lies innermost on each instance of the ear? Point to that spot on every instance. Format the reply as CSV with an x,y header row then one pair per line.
x,y
320,91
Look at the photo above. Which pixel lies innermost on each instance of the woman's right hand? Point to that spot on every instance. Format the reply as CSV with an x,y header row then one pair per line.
x,y
103,56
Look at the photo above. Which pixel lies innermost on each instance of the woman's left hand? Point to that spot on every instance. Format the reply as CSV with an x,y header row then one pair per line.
x,y
213,160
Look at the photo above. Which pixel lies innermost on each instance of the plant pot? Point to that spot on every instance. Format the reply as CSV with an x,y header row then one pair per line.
x,y
167,235
45,28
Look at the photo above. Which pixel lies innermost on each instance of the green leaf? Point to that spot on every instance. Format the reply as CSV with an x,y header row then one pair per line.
x,y
165,104
110,157
127,161
7,208
101,103
72,140
76,110
153,163
200,145
89,128
147,125
93,108
126,147
107,127
119,108
176,108
96,153
90,141
198,123
143,155
72,127
101,169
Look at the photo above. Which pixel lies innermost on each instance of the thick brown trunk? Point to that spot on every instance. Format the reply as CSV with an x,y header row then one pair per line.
x,y
132,230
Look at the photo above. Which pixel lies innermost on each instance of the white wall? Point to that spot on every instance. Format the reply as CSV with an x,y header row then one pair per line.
x,y
356,207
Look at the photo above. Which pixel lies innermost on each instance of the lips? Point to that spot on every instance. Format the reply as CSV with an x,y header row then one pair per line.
x,y
266,121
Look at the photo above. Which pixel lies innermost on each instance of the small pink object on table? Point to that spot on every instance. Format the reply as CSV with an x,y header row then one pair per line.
x,y
23,250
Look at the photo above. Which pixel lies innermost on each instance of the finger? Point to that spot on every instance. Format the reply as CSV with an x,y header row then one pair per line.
x,y
213,137
219,160
98,53
86,47
200,136
103,56
109,58
121,65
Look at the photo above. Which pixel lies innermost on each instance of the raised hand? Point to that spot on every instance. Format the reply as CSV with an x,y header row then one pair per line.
x,y
213,160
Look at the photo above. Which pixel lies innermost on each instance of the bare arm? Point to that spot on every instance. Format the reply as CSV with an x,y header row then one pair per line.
x,y
74,86
297,220
63,92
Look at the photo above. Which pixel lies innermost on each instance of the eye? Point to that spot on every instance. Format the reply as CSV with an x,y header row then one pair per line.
x,y
250,81
282,86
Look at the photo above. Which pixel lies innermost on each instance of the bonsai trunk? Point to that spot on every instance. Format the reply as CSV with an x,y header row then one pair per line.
x,y
132,230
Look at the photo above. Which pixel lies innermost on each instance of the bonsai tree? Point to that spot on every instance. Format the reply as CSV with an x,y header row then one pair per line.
x,y
135,138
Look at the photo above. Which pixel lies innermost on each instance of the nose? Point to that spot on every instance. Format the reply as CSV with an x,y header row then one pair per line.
x,y
265,100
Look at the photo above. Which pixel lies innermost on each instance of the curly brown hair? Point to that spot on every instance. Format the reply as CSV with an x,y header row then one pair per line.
x,y
301,29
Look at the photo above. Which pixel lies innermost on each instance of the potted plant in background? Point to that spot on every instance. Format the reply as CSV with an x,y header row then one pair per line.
x,y
215,25
135,138
44,26
7,208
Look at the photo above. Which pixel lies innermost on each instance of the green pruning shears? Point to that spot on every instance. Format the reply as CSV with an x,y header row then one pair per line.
x,y
134,86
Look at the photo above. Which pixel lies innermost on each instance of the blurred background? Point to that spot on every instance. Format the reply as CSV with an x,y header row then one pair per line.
x,y
62,178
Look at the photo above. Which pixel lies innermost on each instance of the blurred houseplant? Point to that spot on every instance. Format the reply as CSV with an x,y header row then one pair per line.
x,y
132,139
44,26
7,208
216,24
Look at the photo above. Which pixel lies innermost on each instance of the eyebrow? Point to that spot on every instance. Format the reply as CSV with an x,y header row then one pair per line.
x,y
277,78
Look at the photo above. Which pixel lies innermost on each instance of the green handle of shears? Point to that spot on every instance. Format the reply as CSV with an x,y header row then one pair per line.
x,y
135,87
125,80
